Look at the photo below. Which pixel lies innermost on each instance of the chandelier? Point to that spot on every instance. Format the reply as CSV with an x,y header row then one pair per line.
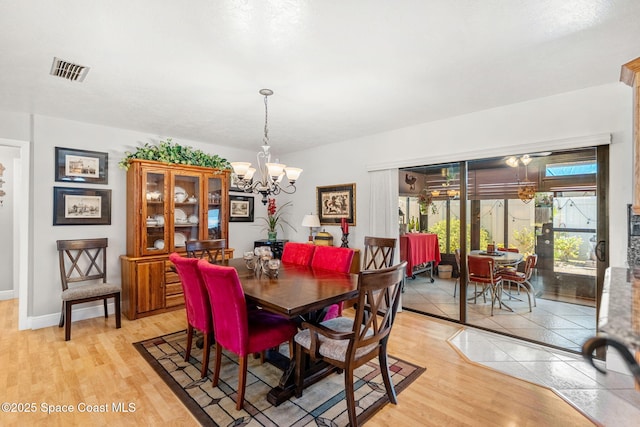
x,y
526,189
272,175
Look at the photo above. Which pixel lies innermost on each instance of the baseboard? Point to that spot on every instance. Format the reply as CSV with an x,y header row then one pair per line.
x,y
6,295
83,313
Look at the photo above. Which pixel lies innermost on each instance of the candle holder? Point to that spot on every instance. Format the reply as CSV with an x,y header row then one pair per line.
x,y
345,240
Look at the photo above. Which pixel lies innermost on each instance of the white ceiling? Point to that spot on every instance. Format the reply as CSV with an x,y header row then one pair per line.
x,y
340,69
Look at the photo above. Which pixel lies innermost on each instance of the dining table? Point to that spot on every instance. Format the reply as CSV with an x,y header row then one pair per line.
x,y
421,251
501,259
301,293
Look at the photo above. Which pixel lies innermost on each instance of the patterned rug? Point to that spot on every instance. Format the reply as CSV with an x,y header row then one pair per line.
x,y
322,404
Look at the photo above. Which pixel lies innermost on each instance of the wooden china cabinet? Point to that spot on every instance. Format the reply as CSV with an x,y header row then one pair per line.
x,y
167,204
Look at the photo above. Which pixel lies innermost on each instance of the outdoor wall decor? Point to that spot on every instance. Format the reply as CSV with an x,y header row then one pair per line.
x,y
335,202
240,208
81,206
80,166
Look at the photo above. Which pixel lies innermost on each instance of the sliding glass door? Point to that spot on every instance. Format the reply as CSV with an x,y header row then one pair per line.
x,y
545,204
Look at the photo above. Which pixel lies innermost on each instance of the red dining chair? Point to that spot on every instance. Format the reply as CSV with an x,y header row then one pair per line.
x,y
234,329
522,280
297,253
482,271
514,250
335,259
196,302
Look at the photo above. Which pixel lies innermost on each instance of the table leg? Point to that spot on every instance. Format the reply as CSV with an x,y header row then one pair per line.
x,y
286,388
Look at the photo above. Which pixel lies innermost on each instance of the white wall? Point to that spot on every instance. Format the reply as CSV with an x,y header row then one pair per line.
x,y
596,110
47,134
499,131
7,156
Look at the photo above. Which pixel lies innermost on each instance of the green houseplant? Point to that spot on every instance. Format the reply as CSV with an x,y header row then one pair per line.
x,y
171,152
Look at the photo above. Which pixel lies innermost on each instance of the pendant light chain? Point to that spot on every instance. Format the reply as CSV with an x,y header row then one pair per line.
x,y
266,120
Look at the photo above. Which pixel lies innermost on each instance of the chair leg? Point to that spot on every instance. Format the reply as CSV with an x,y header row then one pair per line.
x,y
291,349
455,287
118,314
386,375
187,351
106,312
299,355
532,290
67,320
350,395
242,381
61,324
216,366
205,354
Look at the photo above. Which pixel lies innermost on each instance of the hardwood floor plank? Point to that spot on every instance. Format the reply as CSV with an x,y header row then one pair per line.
x,y
100,366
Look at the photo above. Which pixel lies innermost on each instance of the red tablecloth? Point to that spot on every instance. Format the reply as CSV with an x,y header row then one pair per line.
x,y
418,248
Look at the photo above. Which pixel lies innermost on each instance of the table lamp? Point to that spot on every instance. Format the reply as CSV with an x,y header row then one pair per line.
x,y
311,221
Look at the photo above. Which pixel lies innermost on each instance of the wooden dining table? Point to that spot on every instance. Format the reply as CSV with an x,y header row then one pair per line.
x,y
300,293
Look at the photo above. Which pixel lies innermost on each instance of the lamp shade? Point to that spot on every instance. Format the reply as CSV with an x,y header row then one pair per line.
x,y
311,221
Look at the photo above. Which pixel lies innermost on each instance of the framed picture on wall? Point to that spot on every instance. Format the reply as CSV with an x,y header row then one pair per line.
x,y
81,206
334,202
240,208
79,166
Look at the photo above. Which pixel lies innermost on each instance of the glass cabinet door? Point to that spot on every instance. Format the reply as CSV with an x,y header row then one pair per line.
x,y
154,210
214,208
186,212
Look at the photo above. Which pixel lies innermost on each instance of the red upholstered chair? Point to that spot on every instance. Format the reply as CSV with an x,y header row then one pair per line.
x,y
482,271
522,280
335,259
196,301
235,330
298,253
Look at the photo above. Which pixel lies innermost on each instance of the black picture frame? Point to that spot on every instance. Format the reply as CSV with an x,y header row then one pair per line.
x,y
633,222
241,208
81,206
334,202
81,166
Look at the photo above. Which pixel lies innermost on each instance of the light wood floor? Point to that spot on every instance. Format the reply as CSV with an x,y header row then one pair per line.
x,y
99,366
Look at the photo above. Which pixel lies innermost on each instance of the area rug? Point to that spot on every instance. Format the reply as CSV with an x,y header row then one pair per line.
x,y
321,404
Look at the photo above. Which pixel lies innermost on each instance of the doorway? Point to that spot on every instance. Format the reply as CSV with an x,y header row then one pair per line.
x,y
550,205
17,153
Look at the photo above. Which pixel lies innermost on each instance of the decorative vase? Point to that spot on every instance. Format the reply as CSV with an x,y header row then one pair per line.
x,y
272,235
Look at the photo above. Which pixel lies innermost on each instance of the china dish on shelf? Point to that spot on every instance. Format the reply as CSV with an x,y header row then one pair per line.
x,y
192,199
158,244
159,219
154,196
193,219
179,195
180,216
179,240
151,222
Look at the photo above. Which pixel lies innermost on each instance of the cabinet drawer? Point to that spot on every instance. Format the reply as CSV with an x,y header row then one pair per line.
x,y
173,300
173,288
170,277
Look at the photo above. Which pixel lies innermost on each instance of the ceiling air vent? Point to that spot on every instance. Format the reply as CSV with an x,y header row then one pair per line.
x,y
68,70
